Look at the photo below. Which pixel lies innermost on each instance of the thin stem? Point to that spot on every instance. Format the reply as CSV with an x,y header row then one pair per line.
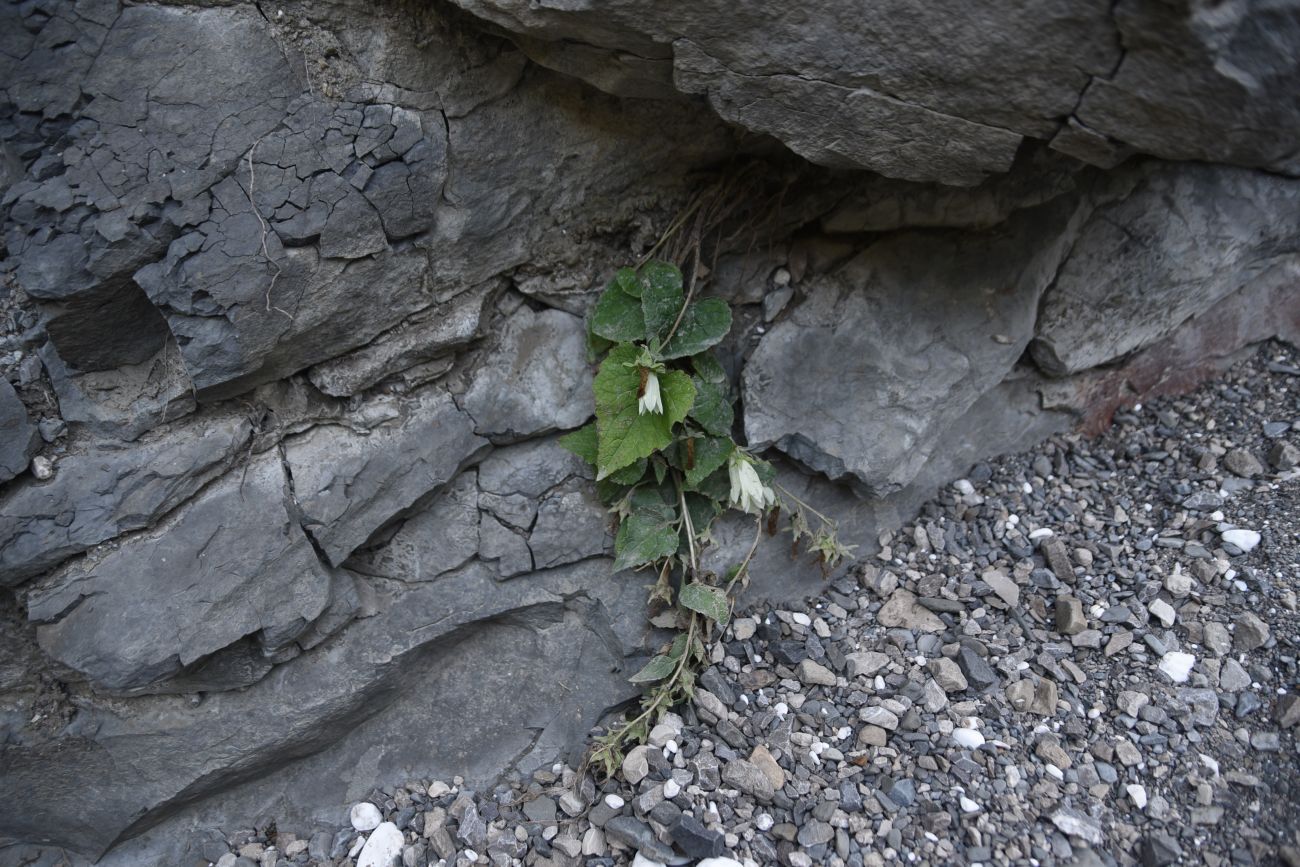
x,y
690,527
783,490
672,230
744,564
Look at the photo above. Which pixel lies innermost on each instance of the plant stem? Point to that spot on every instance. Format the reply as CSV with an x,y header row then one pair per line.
x,y
783,490
744,564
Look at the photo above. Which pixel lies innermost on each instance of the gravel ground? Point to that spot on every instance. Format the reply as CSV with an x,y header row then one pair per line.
x,y
1085,654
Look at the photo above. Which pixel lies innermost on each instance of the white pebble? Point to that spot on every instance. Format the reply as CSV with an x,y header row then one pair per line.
x,y
1138,795
968,738
1246,540
764,822
614,801
964,487
671,789
1040,533
801,618
968,806
1177,666
365,816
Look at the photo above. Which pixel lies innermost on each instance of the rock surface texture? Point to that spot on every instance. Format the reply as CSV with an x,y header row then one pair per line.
x,y
291,315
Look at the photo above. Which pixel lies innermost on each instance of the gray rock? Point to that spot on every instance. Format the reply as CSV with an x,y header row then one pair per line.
x,y
1250,632
1070,619
109,490
854,413
748,778
977,670
19,438
1242,463
348,484
232,565
536,381
1115,294
1283,456
947,674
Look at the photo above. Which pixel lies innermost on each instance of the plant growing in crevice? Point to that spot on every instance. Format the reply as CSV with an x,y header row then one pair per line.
x,y
667,467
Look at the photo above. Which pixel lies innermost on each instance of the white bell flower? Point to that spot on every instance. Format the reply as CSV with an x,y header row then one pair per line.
x,y
650,400
748,493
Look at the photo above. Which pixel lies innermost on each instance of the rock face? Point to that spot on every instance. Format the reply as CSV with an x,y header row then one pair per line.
x,y
292,319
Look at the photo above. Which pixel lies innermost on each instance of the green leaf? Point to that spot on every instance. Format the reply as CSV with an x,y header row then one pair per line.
x,y
717,485
765,471
656,669
610,492
597,346
710,454
648,533
703,510
661,297
708,367
709,601
624,434
660,467
627,280
618,316
582,442
711,408
704,324
630,474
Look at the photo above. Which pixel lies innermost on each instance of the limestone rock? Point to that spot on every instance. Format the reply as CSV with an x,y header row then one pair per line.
x,y
234,564
109,490
348,484
537,381
19,438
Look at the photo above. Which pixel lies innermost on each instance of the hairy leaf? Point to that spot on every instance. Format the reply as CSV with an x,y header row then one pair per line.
x,y
630,474
618,316
627,280
626,435
656,669
661,297
710,454
582,442
707,600
648,533
705,323
708,367
703,510
711,408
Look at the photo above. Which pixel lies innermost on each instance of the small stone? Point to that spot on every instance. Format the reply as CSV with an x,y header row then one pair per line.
x,y
880,717
1284,456
1288,710
1251,632
1215,637
865,663
694,839
614,802
815,674
593,842
1178,583
1078,825
1243,540
1131,703
383,848
1137,794
1232,677
1163,611
1070,619
947,674
763,759
365,816
966,738
636,764
1159,849
743,629
1050,751
748,778
977,670
1177,666
42,468
872,736
1242,463
904,612
1003,586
